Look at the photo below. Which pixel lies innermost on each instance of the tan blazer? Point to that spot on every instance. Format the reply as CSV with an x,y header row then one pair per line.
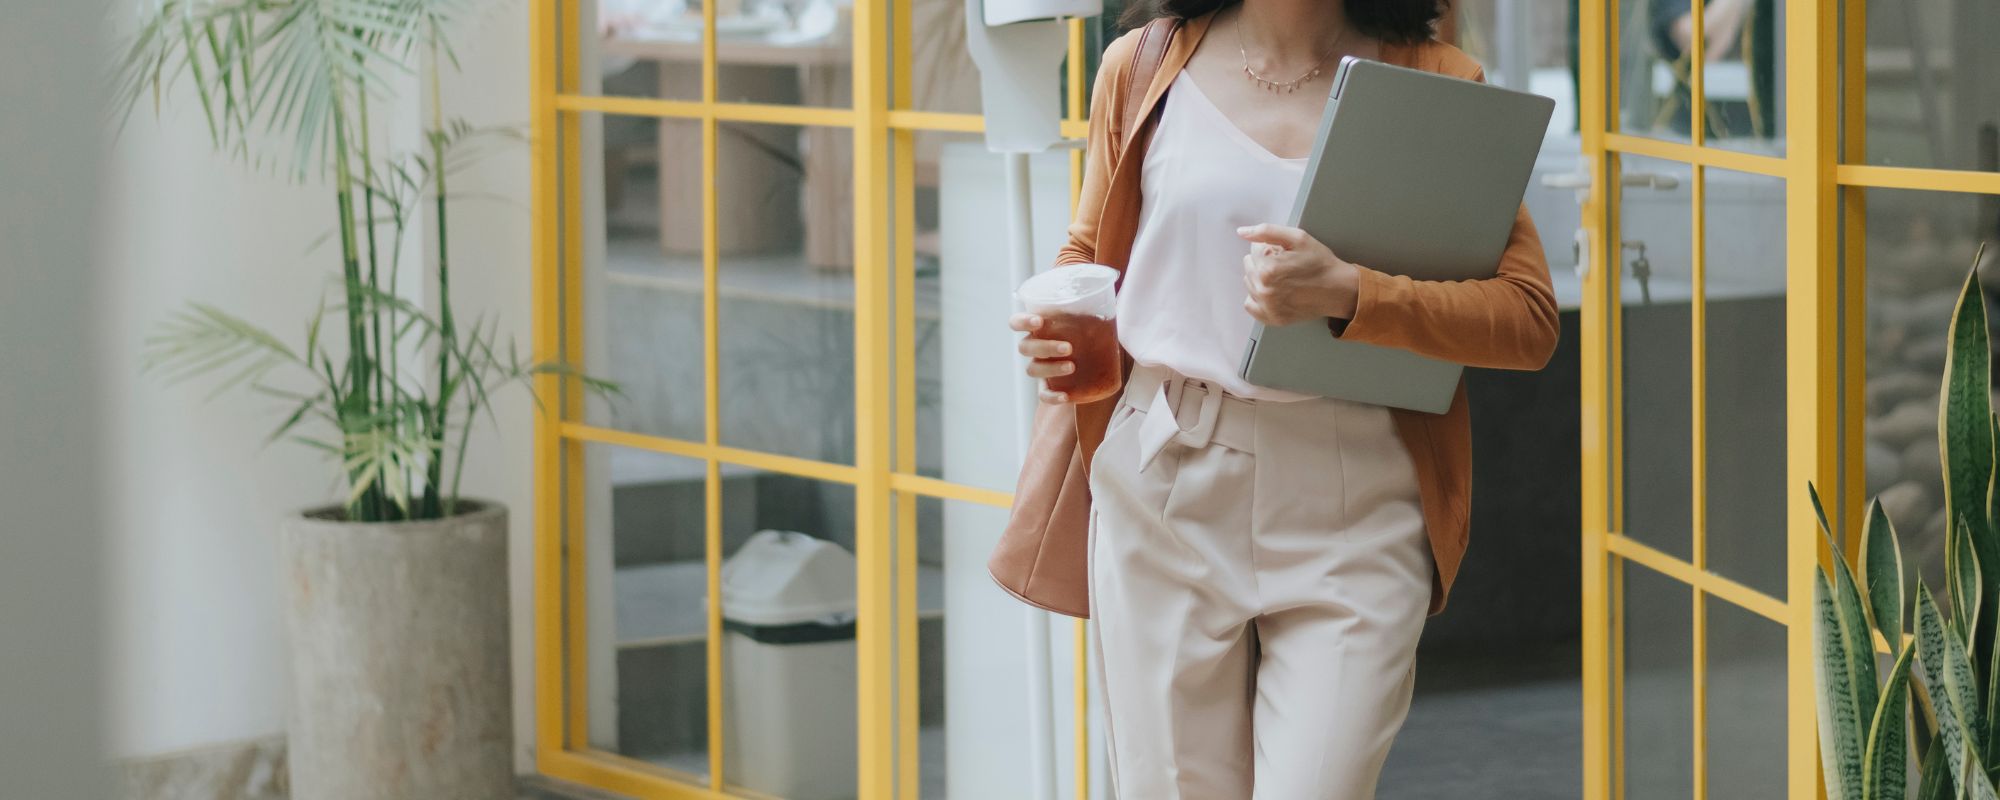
x,y
1508,321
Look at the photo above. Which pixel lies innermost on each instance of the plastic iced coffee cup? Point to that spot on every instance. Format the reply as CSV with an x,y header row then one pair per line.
x,y
1078,304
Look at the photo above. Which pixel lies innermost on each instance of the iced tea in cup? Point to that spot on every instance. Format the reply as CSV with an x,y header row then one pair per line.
x,y
1078,304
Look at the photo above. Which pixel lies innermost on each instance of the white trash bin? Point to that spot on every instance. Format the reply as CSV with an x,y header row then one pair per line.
x,y
788,658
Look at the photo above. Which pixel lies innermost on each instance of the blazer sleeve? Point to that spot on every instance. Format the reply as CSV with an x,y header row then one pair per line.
x,y
1508,321
1100,154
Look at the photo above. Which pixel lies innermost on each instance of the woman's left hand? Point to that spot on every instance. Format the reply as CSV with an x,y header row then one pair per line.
x,y
1291,277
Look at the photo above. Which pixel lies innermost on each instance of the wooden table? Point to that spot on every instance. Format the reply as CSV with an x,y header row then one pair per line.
x,y
756,210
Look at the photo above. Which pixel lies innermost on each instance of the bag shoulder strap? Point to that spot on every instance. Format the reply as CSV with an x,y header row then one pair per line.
x,y
1146,61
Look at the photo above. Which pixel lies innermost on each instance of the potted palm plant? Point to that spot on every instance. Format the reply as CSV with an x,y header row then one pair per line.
x,y
397,593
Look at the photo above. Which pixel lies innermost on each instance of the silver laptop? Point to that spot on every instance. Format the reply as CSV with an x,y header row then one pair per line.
x,y
1415,174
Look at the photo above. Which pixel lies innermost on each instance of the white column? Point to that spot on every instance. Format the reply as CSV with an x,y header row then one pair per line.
x,y
986,669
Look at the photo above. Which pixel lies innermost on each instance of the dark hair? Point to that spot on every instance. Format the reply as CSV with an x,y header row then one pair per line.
x,y
1395,21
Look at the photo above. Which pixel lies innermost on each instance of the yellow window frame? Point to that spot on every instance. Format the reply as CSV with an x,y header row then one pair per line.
x,y
1824,192
883,474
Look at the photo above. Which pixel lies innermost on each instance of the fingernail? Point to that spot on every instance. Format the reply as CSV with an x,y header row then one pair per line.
x,y
1062,349
1243,230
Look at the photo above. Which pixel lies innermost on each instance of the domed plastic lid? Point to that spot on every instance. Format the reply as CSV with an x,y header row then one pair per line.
x,y
787,578
1076,288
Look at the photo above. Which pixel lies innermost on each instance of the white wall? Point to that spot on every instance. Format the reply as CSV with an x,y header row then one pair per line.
x,y
987,701
491,256
50,544
195,498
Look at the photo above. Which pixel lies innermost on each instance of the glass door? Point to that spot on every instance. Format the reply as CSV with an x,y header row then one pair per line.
x,y
1710,352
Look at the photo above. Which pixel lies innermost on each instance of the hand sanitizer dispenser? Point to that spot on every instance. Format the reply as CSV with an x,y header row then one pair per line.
x,y
1008,12
1018,46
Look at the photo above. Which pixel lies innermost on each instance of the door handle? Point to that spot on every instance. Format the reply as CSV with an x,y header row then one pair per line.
x,y
1566,180
1581,180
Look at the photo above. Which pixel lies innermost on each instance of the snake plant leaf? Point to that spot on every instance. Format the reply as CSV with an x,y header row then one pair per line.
x,y
1964,583
1965,422
1965,407
1819,510
1954,695
1885,770
1992,698
1933,782
1882,568
1845,671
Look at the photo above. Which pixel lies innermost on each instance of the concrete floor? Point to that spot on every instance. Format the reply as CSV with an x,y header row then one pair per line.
x,y
1486,728
1480,728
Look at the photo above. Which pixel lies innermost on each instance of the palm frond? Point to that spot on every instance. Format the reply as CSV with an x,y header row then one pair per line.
x,y
203,339
308,406
279,68
379,449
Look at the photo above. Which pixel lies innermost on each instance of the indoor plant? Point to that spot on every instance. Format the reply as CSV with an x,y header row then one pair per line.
x,y
1940,696
397,601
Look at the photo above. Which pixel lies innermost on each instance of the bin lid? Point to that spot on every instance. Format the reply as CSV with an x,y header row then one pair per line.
x,y
786,578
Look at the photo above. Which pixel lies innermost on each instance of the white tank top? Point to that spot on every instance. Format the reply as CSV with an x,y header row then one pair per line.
x,y
1181,303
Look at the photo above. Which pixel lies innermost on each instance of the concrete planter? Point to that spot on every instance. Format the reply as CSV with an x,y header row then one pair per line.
x,y
400,685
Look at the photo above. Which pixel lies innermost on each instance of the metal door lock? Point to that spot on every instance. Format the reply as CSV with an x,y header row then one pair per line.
x,y
1641,269
1579,249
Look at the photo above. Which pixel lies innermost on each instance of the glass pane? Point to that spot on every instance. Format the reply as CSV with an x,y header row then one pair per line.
x,y
641,48
1919,247
642,324
784,199
1745,289
1745,74
647,591
967,409
1742,73
1658,687
786,52
942,75
1930,98
1746,703
1524,46
788,651
971,669
1655,348
1650,95
937,554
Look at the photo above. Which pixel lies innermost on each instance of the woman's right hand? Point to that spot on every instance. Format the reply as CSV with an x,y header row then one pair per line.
x,y
1048,358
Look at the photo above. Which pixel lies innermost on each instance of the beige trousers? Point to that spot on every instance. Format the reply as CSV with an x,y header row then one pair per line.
x,y
1259,577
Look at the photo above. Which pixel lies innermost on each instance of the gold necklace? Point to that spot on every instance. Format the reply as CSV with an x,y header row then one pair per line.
x,y
1283,86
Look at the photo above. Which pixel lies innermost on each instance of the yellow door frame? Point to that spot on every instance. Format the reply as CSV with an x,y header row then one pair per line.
x,y
1813,347
1825,181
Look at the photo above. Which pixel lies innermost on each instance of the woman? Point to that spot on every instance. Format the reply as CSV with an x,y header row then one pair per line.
x,y
1261,562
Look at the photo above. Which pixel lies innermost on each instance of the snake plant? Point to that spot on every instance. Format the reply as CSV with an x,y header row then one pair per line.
x,y
392,390
1940,696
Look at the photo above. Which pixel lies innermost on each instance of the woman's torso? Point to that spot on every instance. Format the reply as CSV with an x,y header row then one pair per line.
x,y
1181,303
1046,497
1227,152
